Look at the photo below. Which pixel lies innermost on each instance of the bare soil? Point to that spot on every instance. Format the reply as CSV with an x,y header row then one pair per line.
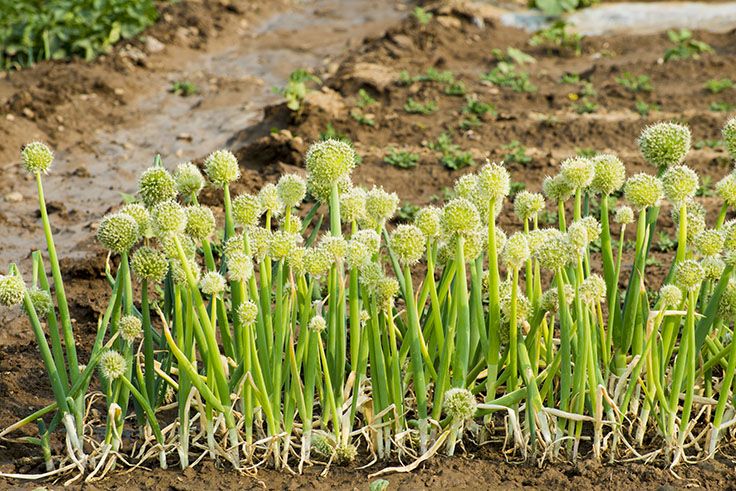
x,y
64,103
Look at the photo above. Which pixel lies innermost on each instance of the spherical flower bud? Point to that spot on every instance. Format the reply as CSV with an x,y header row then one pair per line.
x,y
459,216
247,210
352,205
680,183
371,274
428,220
36,157
593,290
407,242
665,144
527,205
578,172
239,266
386,290
550,301
557,188
689,274
281,244
222,168
494,182
726,189
291,190
358,254
713,267
259,239
294,225
709,242
328,162
168,246
555,251
380,206
212,283
577,232
335,247
345,453
234,245
592,226
130,328
118,232
317,324
155,185
112,365
473,244
41,300
729,136
624,215
643,190
670,295
178,274
460,404
247,313
317,262
370,239
150,264
609,174
189,180
466,186
516,251
169,218
295,260
140,214
727,305
270,200
534,239
200,222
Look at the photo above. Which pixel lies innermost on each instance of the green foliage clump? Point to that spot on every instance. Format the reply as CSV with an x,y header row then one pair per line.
x,y
686,46
296,89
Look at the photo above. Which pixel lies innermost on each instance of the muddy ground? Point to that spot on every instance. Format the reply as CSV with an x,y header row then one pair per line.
x,y
96,115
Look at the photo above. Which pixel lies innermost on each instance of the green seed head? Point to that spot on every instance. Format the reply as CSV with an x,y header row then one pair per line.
x,y
293,227
688,275
169,218
729,136
643,190
386,290
247,210
550,301
592,226
282,243
466,186
679,183
371,274
41,300
36,157
358,254
713,267
578,172
317,262
665,144
459,216
118,232
577,232
709,242
322,445
328,162
200,222
259,239
234,245
169,246
130,327
212,283
473,244
727,305
593,290
527,205
155,186
352,205
624,215
380,206
270,200
670,295
407,241
150,264
140,214
516,251
222,168
189,180
247,313
291,190
370,239
428,220
239,267
494,182
317,324
726,189
179,275
112,365
534,239
335,247
555,251
460,404
610,174
557,188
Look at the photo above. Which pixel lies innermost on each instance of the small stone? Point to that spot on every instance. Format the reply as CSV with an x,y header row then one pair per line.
x,y
10,117
184,136
14,197
28,113
119,91
449,22
153,45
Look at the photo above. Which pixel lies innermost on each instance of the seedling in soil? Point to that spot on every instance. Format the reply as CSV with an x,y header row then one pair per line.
x,y
555,8
558,37
635,83
712,143
455,89
585,106
513,55
515,152
184,88
401,158
364,99
644,108
470,122
721,107
505,74
362,118
706,188
422,16
407,212
718,85
515,188
588,153
570,78
478,108
434,75
685,46
453,157
415,107
296,88
664,242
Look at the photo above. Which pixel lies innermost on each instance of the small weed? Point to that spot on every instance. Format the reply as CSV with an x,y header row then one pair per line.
x,y
401,158
685,46
558,37
513,55
515,188
415,107
718,85
405,78
478,108
570,78
644,108
715,143
516,152
470,122
664,242
635,83
706,188
586,152
455,89
362,118
296,88
585,106
364,99
721,107
453,157
407,212
434,75
184,88
422,16
506,75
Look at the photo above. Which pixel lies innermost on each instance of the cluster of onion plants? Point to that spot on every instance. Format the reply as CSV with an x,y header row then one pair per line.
x,y
302,333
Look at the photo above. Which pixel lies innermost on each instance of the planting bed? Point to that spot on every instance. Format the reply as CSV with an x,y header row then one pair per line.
x,y
531,131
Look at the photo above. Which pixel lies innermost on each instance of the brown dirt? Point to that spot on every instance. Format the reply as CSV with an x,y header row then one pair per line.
x,y
64,103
